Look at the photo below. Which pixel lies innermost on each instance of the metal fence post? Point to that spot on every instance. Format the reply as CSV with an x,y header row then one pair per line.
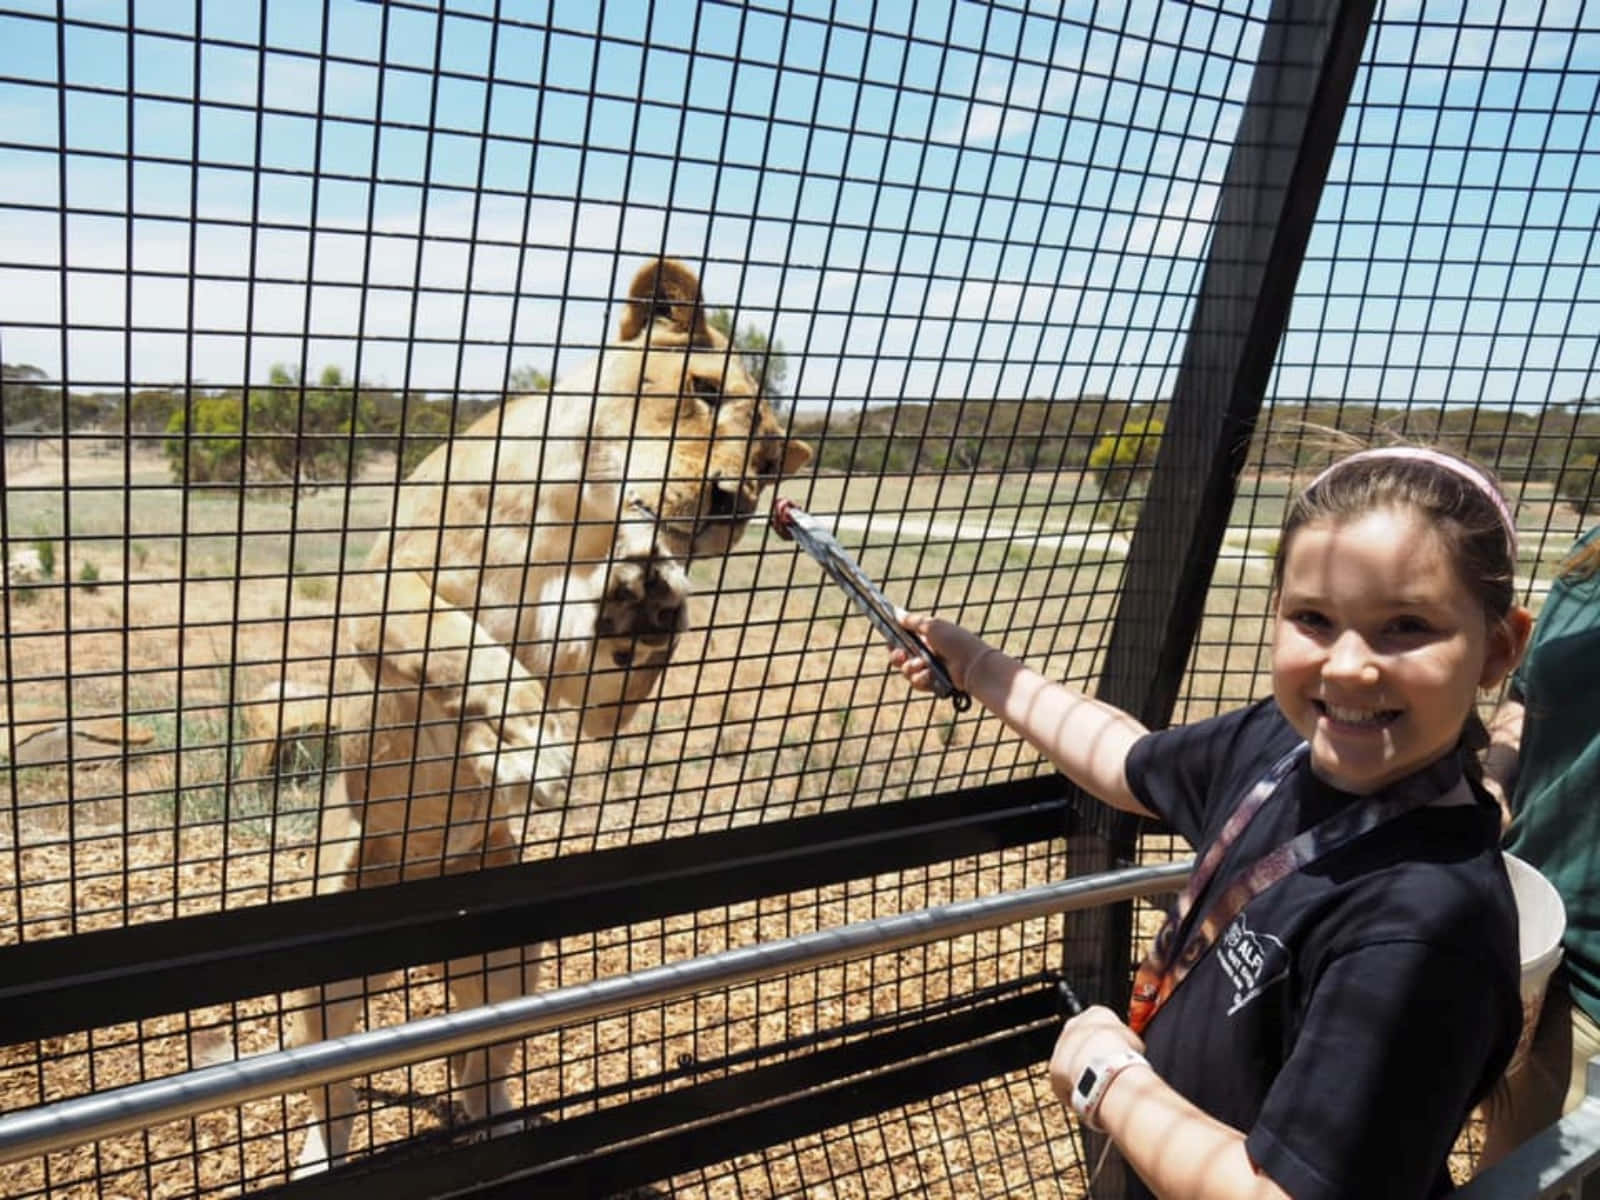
x,y
1287,133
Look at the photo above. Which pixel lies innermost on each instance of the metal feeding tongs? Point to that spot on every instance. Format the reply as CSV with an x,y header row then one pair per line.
x,y
794,524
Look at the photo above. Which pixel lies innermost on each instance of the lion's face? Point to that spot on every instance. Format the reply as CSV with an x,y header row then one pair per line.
x,y
703,442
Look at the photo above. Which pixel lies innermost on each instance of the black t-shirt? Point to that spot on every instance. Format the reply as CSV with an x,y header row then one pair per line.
x,y
1352,1014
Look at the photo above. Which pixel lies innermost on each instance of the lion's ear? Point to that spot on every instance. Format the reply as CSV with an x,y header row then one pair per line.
x,y
665,290
795,456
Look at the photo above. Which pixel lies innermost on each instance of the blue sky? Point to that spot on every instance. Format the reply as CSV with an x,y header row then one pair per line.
x,y
960,201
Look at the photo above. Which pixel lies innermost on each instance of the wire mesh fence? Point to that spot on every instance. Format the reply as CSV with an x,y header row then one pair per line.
x,y
268,273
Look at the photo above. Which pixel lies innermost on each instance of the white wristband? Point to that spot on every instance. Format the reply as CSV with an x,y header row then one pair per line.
x,y
1095,1079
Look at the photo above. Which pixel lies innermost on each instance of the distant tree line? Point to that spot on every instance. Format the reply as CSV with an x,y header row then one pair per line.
x,y
292,431
322,431
31,403
1115,442
286,430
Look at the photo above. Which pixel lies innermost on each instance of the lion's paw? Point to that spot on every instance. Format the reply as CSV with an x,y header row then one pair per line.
x,y
547,769
538,753
644,609
530,751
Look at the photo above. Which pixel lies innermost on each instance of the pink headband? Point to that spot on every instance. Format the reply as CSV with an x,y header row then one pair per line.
x,y
1455,466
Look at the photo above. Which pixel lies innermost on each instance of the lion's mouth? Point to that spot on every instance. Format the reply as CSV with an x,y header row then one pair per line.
x,y
675,528
689,532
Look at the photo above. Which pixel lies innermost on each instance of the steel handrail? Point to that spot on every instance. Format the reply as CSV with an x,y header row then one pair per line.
x,y
67,1123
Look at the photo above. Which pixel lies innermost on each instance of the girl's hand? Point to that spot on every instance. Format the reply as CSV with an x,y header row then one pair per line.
x,y
1174,1147
1096,1032
958,648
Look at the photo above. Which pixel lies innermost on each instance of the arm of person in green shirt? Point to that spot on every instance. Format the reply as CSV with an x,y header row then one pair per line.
x,y
1500,759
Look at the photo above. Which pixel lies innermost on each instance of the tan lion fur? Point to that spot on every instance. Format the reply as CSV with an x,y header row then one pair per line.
x,y
531,590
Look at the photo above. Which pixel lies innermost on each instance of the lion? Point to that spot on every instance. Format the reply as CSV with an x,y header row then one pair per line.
x,y
531,591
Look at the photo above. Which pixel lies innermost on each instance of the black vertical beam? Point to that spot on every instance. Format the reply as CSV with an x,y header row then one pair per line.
x,y
1310,50
1309,53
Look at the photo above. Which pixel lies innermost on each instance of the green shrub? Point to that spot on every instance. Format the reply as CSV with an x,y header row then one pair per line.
x,y
297,432
1123,461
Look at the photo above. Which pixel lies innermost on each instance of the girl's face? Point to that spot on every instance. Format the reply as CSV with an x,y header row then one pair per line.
x,y
1379,648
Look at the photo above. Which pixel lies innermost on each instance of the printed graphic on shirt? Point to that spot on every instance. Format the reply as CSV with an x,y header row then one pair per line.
x,y
1252,961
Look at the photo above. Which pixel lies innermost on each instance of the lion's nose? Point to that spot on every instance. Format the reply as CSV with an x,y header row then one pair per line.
x,y
725,497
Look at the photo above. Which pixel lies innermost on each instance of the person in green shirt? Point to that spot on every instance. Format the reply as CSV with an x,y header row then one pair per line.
x,y
1544,755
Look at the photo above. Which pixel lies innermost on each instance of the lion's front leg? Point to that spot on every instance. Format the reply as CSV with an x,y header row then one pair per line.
x,y
508,737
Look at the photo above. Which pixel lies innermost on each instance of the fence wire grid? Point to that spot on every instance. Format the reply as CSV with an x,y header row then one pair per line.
x,y
263,261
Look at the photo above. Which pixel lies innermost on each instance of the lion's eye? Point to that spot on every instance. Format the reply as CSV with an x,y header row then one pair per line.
x,y
705,387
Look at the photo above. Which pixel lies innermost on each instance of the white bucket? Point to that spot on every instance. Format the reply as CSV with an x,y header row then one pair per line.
x,y
1541,920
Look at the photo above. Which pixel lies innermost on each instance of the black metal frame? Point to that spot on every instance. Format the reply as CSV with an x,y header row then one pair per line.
x,y
50,987
1309,55
1308,60
646,1140
1270,196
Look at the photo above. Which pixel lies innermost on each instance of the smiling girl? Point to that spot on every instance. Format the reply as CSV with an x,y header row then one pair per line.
x,y
1337,985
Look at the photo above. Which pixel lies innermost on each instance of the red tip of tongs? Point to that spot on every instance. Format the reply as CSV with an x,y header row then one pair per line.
x,y
783,518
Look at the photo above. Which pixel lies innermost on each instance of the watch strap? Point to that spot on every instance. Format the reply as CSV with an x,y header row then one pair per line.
x,y
1095,1078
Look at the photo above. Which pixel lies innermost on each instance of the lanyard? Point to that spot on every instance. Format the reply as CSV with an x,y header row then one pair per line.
x,y
1163,970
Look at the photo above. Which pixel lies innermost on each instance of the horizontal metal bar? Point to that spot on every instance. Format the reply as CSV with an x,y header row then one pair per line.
x,y
62,985
622,1149
632,1167
1558,1161
83,1119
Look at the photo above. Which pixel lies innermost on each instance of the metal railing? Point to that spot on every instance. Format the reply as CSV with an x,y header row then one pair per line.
x,y
1559,1163
90,1118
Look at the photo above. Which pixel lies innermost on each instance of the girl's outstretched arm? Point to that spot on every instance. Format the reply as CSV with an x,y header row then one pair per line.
x,y
1086,739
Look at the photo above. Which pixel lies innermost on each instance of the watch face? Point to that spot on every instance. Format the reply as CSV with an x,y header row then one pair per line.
x,y
1086,1081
